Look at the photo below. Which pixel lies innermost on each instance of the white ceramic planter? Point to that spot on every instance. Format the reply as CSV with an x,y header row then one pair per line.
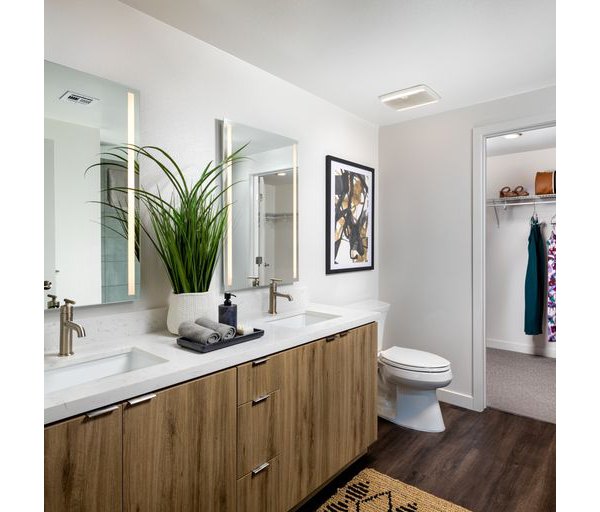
x,y
186,307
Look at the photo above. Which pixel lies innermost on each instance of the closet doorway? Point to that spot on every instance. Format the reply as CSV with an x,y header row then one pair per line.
x,y
513,359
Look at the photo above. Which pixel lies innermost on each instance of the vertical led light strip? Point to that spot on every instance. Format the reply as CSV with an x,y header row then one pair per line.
x,y
295,210
229,201
130,194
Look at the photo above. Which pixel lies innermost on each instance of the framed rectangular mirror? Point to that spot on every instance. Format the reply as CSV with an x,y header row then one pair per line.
x,y
262,188
91,251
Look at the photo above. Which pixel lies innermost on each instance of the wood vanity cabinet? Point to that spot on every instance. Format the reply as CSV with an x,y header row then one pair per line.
x,y
303,434
260,492
179,447
350,396
260,437
170,450
329,409
82,463
259,434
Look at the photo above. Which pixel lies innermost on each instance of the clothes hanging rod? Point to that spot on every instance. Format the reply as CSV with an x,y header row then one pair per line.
x,y
519,201
522,200
524,203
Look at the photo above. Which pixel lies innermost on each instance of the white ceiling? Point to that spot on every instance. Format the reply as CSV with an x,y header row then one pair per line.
x,y
349,52
531,140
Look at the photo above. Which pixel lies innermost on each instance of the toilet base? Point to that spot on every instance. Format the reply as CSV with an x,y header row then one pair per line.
x,y
417,409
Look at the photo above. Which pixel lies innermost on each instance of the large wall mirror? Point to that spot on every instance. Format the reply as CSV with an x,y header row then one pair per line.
x,y
262,229
91,252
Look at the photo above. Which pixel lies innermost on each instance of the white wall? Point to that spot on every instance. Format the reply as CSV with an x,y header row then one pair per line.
x,y
506,252
425,215
185,85
77,221
517,169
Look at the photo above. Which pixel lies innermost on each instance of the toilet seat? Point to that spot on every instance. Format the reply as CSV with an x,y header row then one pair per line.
x,y
414,360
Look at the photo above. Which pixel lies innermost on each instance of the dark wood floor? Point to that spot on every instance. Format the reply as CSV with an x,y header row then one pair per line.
x,y
486,462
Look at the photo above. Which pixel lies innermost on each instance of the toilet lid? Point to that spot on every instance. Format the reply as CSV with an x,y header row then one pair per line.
x,y
414,360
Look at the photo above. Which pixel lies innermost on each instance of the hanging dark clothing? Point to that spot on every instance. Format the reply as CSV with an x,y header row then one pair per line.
x,y
535,281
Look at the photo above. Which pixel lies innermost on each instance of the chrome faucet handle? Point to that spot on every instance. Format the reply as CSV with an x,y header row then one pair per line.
x,y
275,280
255,280
53,303
69,301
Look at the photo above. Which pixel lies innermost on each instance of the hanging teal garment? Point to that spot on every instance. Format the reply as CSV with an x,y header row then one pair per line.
x,y
535,280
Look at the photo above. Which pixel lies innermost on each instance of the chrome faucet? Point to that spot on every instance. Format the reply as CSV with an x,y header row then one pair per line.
x,y
273,294
67,326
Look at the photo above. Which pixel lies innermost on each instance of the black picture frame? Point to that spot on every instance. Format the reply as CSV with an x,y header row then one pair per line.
x,y
343,261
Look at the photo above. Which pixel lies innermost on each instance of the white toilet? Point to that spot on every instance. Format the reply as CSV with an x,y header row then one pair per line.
x,y
408,380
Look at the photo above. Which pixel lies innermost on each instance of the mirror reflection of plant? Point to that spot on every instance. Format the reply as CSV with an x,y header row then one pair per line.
x,y
187,229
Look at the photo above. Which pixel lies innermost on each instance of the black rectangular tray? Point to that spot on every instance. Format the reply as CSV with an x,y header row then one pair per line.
x,y
201,347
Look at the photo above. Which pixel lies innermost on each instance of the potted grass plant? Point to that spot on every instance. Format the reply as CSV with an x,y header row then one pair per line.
x,y
186,227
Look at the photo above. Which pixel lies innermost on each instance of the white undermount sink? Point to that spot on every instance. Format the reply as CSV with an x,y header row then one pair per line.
x,y
96,369
304,319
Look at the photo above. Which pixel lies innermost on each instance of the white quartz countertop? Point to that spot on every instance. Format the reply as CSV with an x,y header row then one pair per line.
x,y
181,364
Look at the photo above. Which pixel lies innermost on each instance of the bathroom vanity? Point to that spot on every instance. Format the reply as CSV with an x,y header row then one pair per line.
x,y
262,434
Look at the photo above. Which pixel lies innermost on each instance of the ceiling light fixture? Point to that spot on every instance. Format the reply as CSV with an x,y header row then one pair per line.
x,y
413,97
282,174
512,135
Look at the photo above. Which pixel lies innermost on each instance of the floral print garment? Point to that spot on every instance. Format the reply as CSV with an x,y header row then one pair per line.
x,y
552,287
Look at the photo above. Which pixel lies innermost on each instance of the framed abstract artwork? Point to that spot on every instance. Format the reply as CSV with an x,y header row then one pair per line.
x,y
349,207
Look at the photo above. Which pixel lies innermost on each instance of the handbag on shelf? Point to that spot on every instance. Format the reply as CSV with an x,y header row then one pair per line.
x,y
545,183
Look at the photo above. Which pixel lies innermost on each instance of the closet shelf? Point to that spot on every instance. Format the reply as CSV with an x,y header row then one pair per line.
x,y
521,200
504,202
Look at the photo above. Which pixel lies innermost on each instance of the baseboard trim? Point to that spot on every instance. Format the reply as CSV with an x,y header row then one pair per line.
x,y
455,398
548,350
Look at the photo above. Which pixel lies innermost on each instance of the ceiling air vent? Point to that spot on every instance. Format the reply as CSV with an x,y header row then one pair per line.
x,y
79,99
412,97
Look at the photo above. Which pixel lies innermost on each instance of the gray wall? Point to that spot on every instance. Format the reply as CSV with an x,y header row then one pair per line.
x,y
425,216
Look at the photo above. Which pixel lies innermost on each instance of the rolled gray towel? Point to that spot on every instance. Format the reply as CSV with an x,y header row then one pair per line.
x,y
225,331
198,333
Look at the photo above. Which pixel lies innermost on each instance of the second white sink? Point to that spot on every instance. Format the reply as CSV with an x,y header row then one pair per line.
x,y
87,371
303,319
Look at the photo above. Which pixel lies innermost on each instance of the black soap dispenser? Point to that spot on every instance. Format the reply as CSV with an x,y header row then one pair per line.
x,y
228,311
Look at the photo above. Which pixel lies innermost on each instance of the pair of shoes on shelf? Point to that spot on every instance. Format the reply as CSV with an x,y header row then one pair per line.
x,y
518,191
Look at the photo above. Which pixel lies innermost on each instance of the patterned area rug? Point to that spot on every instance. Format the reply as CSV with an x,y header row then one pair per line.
x,y
370,491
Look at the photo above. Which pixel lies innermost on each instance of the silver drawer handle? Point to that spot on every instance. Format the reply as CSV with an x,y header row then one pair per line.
x,y
140,399
330,338
343,333
260,361
260,399
260,468
100,412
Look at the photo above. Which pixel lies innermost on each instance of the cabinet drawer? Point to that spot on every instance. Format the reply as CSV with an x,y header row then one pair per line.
x,y
259,432
258,378
259,490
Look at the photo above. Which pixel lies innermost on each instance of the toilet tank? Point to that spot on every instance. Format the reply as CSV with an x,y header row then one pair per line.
x,y
378,306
